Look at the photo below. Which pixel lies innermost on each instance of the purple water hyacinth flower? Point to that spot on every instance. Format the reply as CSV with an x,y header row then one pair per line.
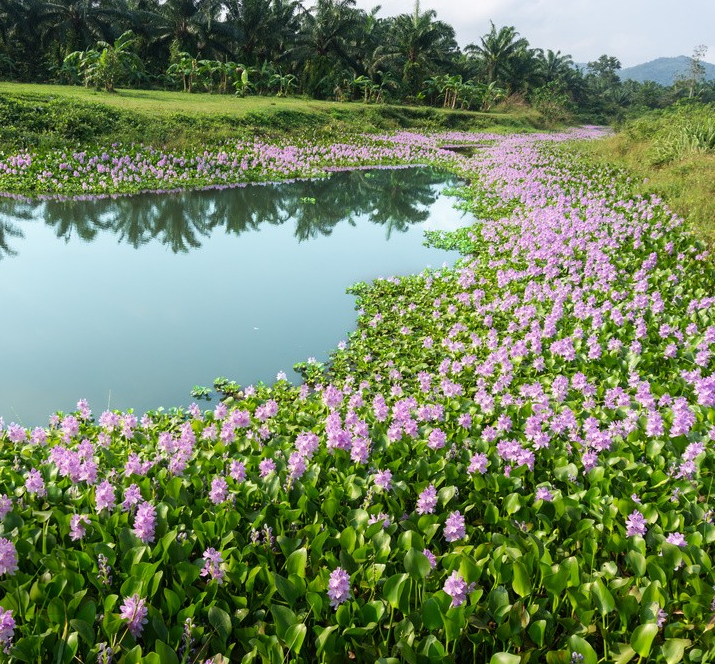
x,y
427,501
212,565
478,464
34,484
134,611
431,557
662,618
7,629
296,465
238,471
456,587
5,506
338,587
104,496
436,439
104,653
543,493
636,524
379,518
132,497
219,490
454,528
307,443
84,411
678,539
266,467
77,530
383,479
8,557
16,433
145,522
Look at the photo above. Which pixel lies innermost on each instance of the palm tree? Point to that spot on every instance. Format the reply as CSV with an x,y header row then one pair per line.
x,y
191,26
261,28
554,66
76,25
326,45
20,24
420,46
497,49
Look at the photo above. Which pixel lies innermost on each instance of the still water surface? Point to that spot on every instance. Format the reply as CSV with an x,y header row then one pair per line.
x,y
130,302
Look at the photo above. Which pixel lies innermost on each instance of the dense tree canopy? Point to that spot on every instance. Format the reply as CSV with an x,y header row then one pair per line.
x,y
329,49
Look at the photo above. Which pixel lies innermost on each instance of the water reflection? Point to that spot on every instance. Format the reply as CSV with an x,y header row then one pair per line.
x,y
94,318
181,221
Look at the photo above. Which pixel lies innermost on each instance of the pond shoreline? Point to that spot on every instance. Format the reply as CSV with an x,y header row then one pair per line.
x,y
429,493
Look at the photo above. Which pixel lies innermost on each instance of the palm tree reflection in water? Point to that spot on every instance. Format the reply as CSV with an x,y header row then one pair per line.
x,y
393,198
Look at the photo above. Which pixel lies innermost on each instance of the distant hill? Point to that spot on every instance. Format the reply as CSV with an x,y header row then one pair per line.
x,y
663,70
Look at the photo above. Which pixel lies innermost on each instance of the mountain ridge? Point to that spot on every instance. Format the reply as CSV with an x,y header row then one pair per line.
x,y
664,70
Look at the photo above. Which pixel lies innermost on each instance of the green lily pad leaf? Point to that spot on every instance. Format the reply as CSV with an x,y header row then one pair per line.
x,y
537,632
134,656
84,630
284,618
324,638
296,562
622,653
166,654
604,600
431,615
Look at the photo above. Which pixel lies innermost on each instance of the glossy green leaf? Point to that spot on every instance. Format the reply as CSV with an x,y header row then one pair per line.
x,y
417,564
642,638
504,658
220,621
393,588
674,650
602,596
521,583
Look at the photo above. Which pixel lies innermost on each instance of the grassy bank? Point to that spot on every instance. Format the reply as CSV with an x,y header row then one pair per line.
x,y
670,153
48,116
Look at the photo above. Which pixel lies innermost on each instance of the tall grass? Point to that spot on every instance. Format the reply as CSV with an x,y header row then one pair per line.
x,y
672,154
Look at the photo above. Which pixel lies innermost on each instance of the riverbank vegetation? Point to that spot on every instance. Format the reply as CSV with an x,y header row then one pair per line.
x,y
41,117
508,461
330,51
670,153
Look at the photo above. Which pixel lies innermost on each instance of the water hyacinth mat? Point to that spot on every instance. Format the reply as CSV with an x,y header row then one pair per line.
x,y
510,461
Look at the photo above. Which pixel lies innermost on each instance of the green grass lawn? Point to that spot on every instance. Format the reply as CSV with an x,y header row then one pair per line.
x,y
159,101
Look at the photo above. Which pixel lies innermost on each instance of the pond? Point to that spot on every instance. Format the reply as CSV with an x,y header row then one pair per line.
x,y
131,302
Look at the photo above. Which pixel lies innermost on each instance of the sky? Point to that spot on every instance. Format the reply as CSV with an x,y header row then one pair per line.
x,y
634,31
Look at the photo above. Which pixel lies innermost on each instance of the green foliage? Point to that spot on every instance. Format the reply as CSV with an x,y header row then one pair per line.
x,y
671,153
55,117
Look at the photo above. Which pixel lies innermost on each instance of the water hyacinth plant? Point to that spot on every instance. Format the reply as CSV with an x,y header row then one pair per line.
x,y
509,461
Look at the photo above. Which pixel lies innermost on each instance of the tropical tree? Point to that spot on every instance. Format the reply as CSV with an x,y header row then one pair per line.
x,y
261,28
419,46
106,64
553,66
326,45
497,50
